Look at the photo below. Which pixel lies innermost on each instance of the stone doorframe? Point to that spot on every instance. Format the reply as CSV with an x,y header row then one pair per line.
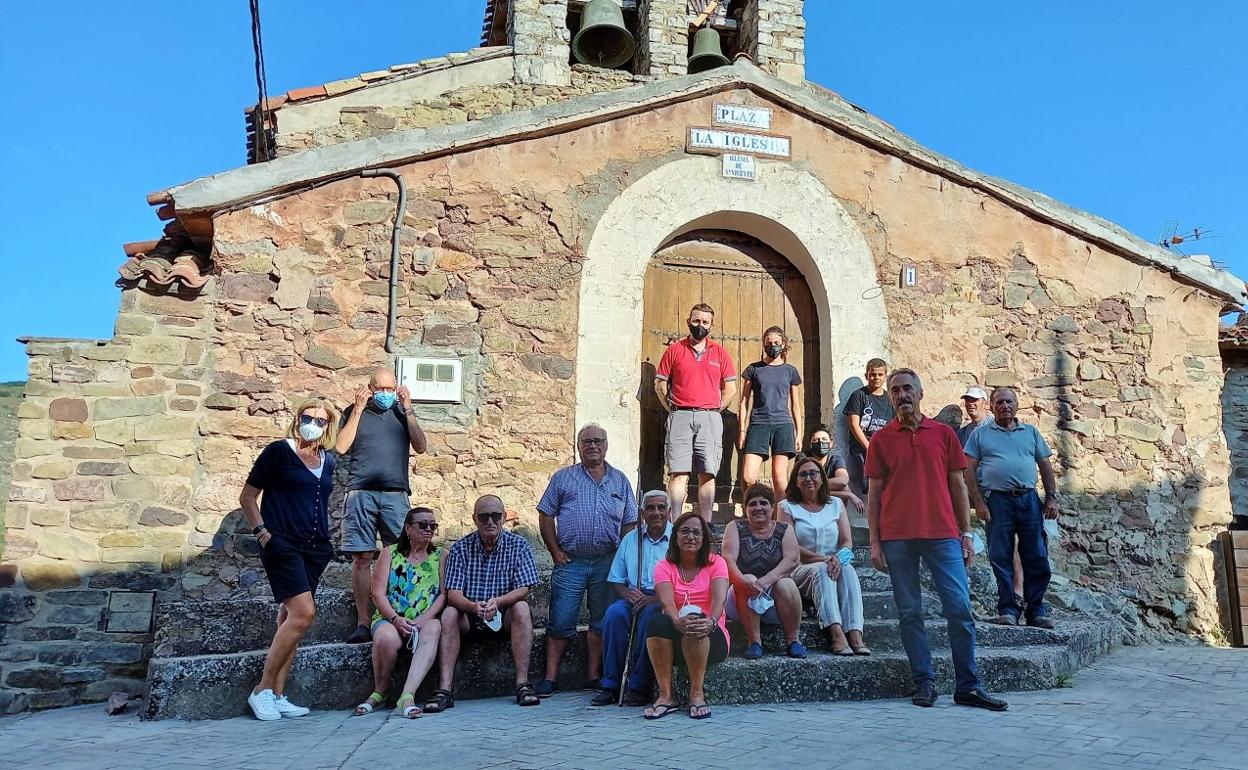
x,y
788,209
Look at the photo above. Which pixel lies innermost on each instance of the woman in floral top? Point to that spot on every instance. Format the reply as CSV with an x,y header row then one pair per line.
x,y
407,592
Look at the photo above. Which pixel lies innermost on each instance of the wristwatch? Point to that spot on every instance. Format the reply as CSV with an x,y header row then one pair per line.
x,y
256,530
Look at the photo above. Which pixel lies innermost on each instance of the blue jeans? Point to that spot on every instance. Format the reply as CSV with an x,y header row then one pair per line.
x,y
1023,517
582,578
615,626
944,559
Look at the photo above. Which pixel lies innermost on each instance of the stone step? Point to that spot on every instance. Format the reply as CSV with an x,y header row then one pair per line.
x,y
338,676
882,635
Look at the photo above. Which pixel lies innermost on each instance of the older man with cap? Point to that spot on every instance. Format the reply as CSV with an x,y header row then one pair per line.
x,y
583,513
632,578
975,402
1001,474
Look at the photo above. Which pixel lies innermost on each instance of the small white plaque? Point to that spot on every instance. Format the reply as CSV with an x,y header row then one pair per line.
x,y
739,167
715,141
736,115
432,380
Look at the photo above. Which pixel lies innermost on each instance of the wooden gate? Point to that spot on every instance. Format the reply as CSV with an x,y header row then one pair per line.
x,y
751,287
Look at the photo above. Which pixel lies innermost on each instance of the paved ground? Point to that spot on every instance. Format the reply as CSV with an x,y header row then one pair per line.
x,y
1137,708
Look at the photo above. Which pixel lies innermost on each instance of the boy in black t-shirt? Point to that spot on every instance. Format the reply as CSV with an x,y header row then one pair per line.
x,y
868,410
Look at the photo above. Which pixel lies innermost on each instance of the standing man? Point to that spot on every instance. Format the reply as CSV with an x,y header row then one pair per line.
x,y
917,512
1003,457
583,512
633,583
488,576
975,402
377,430
694,381
868,411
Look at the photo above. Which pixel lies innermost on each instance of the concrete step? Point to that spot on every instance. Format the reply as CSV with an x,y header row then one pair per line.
x,y
338,676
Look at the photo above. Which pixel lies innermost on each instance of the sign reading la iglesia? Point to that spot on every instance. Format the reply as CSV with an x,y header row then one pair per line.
x,y
713,140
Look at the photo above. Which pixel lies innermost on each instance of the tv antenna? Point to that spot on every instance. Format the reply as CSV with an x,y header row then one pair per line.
x,y
1172,240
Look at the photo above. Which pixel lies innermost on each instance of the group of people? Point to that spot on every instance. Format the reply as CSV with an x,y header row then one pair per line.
x,y
656,591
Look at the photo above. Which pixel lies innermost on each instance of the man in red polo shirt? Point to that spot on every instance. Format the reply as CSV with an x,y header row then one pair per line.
x,y
694,381
917,511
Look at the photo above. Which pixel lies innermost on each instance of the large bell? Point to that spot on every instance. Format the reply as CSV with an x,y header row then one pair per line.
x,y
707,51
603,40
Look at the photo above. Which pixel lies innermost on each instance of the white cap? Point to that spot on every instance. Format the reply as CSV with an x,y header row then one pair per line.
x,y
976,392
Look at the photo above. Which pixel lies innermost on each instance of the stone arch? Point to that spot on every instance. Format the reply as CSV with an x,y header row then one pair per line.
x,y
787,208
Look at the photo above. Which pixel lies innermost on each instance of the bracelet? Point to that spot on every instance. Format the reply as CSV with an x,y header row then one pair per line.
x,y
965,535
256,530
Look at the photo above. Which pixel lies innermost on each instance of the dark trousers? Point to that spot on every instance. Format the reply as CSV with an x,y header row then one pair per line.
x,y
615,627
1022,517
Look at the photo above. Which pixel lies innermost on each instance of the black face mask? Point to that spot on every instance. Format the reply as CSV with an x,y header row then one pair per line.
x,y
698,332
773,351
820,449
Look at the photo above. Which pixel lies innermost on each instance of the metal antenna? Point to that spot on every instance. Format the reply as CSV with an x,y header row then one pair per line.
x,y
1171,238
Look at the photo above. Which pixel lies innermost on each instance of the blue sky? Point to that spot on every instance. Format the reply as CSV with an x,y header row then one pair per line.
x,y
1132,109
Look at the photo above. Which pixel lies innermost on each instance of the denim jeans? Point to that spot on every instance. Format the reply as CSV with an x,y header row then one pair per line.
x,y
580,579
1020,516
944,559
615,627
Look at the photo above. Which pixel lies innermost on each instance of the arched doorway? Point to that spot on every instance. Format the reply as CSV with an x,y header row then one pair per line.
x,y
752,287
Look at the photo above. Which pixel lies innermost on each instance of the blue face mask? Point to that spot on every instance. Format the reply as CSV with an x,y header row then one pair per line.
x,y
384,399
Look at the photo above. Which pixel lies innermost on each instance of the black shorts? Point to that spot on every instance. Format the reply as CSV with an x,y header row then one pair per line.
x,y
477,629
293,566
661,626
765,440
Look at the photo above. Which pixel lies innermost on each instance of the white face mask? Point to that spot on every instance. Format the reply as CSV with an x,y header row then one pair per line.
x,y
311,431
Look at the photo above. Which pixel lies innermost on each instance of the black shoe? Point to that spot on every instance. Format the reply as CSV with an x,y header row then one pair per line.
x,y
980,699
592,684
604,698
360,635
546,688
924,695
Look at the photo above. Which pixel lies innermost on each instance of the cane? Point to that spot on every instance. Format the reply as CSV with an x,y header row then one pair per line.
x,y
632,629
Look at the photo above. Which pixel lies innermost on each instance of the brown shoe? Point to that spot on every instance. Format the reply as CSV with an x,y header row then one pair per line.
x,y
1041,622
1004,620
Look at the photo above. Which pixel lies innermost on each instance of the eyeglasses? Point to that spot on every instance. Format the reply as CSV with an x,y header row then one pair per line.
x,y
384,390
809,474
494,516
689,533
594,441
428,526
307,419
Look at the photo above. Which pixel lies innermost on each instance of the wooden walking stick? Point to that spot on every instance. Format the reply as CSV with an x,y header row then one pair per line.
x,y
632,629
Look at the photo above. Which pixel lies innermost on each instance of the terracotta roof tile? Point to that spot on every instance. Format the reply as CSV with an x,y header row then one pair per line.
x,y
297,94
343,86
164,267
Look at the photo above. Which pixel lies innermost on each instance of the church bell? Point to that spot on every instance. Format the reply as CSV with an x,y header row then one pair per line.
x,y
603,40
707,51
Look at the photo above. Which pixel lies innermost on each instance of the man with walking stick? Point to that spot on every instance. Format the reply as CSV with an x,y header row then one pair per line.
x,y
626,672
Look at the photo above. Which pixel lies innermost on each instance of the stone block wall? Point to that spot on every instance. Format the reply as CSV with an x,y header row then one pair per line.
x,y
100,514
538,32
663,45
773,32
1235,425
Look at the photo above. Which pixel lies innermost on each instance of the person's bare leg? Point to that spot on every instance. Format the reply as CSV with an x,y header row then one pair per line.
x,y
779,475
453,625
839,642
422,658
554,654
520,624
677,491
696,652
749,618
300,612
750,465
661,656
788,607
361,585
593,667
386,644
706,496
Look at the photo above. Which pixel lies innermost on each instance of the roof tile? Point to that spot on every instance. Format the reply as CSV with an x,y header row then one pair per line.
x,y
343,86
310,92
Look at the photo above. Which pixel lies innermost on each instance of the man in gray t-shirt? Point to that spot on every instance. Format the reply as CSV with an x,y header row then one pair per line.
x,y
377,430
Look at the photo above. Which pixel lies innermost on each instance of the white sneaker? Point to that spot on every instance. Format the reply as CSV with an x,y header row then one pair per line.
x,y
288,709
264,706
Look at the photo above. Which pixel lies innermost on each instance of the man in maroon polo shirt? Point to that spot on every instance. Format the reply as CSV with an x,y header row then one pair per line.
x,y
917,511
695,379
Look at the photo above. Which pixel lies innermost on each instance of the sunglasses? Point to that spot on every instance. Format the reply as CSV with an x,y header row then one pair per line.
x,y
307,419
689,533
494,516
428,526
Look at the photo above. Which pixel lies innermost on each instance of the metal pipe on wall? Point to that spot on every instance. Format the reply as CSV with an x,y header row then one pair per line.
x,y
392,318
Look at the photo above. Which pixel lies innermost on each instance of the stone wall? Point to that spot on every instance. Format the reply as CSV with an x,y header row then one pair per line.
x,y
100,513
663,45
1235,425
773,32
538,31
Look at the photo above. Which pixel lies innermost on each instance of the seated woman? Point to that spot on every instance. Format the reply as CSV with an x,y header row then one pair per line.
x,y
825,579
761,554
819,448
692,585
407,592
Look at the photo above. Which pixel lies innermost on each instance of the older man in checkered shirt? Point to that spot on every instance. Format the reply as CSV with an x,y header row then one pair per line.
x,y
488,576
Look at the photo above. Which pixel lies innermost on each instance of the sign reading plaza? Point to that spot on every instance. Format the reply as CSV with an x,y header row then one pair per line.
x,y
715,141
736,115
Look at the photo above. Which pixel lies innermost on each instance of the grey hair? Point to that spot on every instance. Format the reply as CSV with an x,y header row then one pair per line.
x,y
918,383
993,395
589,426
656,493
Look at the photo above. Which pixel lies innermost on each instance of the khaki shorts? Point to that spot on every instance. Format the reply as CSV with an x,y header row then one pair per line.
x,y
695,441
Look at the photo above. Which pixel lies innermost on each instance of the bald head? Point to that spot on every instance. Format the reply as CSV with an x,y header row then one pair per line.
x,y
488,514
382,379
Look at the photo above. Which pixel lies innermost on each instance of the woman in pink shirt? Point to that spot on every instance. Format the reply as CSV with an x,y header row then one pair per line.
x,y
692,585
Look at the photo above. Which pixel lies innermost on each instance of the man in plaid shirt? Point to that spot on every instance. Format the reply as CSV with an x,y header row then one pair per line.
x,y
488,576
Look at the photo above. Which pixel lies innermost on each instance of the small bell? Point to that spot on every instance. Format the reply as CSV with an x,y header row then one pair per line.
x,y
707,51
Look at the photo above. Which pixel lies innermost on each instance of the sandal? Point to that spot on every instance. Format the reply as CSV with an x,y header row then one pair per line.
x,y
406,707
441,701
695,706
370,705
660,710
861,649
844,652
526,695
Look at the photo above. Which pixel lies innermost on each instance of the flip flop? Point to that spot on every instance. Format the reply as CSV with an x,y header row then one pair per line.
x,y
369,706
844,652
693,706
663,710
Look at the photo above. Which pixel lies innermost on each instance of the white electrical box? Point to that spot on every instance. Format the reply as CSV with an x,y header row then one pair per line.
x,y
436,380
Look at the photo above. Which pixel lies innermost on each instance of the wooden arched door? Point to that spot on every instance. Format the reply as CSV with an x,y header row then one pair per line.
x,y
751,287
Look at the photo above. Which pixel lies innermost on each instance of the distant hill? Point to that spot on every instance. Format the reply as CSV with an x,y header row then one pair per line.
x,y
10,395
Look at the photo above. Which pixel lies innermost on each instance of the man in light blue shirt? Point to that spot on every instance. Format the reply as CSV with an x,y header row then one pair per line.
x,y
634,583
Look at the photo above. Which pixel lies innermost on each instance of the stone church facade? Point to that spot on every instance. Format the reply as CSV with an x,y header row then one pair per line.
x,y
542,203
